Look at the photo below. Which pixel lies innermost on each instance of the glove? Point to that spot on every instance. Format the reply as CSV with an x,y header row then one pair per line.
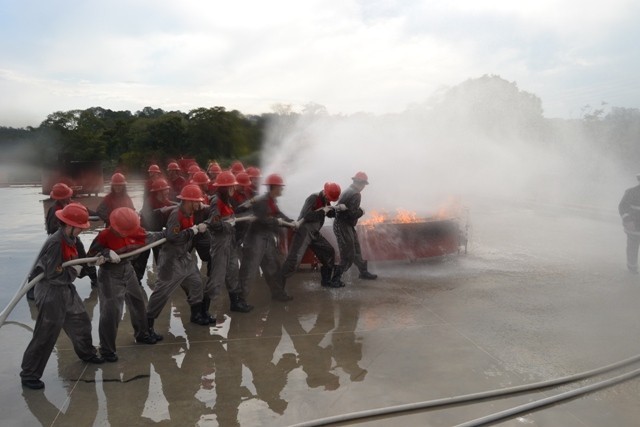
x,y
282,222
114,257
77,268
341,207
101,260
202,227
326,209
231,221
194,228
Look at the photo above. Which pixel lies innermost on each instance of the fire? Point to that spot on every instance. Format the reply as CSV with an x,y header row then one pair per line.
x,y
402,216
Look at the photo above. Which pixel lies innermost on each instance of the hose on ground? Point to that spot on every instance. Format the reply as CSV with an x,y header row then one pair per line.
x,y
467,398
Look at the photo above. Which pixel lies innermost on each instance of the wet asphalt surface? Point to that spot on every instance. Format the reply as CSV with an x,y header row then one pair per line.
x,y
543,292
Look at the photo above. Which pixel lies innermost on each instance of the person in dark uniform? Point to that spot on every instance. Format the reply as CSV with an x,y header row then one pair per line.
x,y
58,302
316,207
62,193
117,198
629,209
118,282
259,247
224,253
176,180
175,264
344,228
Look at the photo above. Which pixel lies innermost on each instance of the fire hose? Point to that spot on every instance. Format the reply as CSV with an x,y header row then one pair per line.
x,y
25,286
475,397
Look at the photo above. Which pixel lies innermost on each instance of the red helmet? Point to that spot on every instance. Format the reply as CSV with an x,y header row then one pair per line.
x,y
253,172
243,179
226,179
124,220
214,167
274,179
173,166
192,193
118,179
193,169
154,169
159,184
361,177
75,215
200,178
331,191
237,167
61,191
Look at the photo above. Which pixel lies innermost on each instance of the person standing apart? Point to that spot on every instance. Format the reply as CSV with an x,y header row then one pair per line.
x,y
58,302
629,209
344,228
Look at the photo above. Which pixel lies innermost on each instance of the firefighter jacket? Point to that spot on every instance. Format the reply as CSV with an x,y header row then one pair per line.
x,y
266,211
219,211
112,201
313,217
57,249
108,240
351,199
151,213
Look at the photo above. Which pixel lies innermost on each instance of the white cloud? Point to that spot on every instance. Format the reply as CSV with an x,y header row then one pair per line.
x,y
350,56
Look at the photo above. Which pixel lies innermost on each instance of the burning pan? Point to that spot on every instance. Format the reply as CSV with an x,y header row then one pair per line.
x,y
386,241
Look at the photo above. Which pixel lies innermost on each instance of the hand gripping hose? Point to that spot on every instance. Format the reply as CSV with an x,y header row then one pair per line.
x,y
24,288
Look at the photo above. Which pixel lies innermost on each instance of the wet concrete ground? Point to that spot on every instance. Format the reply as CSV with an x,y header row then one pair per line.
x,y
542,293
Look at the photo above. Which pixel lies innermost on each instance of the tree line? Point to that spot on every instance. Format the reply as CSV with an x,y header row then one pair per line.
x,y
489,105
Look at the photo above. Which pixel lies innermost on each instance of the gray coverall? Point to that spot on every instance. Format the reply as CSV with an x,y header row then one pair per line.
x,y
118,284
59,307
223,252
344,228
260,248
308,234
629,209
176,266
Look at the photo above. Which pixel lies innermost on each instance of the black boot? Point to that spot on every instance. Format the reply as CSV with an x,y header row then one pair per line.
x,y
152,333
364,273
325,275
206,303
336,282
239,304
196,315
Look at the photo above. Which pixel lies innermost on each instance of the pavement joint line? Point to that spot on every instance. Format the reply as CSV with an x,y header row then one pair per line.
x,y
67,400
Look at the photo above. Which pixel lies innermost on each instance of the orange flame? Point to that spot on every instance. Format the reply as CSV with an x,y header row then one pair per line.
x,y
403,216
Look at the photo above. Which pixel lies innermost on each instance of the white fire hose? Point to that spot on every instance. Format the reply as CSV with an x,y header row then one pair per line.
x,y
25,286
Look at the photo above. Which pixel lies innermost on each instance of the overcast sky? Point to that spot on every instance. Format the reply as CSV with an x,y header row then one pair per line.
x,y
373,56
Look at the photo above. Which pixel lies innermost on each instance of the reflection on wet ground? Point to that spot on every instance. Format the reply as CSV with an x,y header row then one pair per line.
x,y
518,308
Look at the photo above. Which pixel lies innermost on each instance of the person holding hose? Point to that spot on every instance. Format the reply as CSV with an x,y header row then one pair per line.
x,y
224,254
259,246
316,207
58,302
117,281
62,193
117,198
176,266
344,228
